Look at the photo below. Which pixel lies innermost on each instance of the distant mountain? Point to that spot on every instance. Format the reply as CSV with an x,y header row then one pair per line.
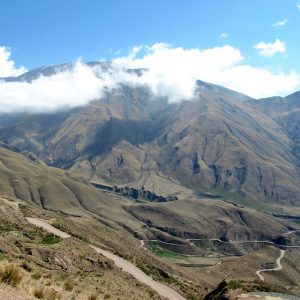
x,y
48,71
286,112
218,141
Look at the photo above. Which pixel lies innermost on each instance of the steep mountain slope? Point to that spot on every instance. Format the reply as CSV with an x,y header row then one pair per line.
x,y
286,111
215,141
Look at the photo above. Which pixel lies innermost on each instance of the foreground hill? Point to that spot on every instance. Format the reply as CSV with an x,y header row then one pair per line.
x,y
96,217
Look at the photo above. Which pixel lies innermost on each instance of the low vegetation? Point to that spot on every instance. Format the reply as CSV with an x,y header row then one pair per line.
x,y
6,227
236,287
11,274
50,239
256,286
155,248
46,293
69,285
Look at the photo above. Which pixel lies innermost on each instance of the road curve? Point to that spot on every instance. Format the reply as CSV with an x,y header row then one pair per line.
x,y
291,232
125,265
46,226
278,267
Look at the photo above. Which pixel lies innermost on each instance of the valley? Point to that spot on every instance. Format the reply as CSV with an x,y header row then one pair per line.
x,y
175,198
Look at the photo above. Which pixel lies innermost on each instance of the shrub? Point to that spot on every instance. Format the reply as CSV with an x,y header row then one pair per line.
x,y
69,285
39,292
51,294
26,266
50,239
11,274
36,275
46,293
92,297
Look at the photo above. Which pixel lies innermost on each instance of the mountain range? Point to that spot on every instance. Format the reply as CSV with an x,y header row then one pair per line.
x,y
220,139
219,167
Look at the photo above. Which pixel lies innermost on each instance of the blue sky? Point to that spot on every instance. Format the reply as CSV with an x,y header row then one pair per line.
x,y
55,31
251,46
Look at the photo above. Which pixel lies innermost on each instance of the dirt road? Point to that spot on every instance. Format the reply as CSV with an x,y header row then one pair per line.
x,y
130,268
46,226
278,267
125,265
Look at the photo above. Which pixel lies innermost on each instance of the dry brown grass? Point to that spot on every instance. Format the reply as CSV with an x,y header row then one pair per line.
x,y
38,292
11,274
46,293
92,297
69,285
36,275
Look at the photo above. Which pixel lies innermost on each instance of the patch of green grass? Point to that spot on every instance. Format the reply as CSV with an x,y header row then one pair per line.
x,y
169,254
238,199
155,248
50,239
7,227
235,284
296,221
2,256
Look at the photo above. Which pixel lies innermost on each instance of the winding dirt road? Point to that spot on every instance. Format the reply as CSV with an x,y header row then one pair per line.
x,y
46,226
278,267
125,265
291,232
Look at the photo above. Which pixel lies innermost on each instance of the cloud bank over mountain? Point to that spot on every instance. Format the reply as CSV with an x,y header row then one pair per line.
x,y
168,71
7,66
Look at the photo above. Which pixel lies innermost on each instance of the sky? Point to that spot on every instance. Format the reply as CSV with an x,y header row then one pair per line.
x,y
251,46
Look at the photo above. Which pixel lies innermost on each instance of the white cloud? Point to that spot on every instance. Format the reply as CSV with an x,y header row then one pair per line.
x,y
173,71
269,49
169,72
224,35
71,88
280,23
7,66
298,5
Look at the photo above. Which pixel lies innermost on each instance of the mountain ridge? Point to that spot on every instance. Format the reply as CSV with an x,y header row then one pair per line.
x,y
217,140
